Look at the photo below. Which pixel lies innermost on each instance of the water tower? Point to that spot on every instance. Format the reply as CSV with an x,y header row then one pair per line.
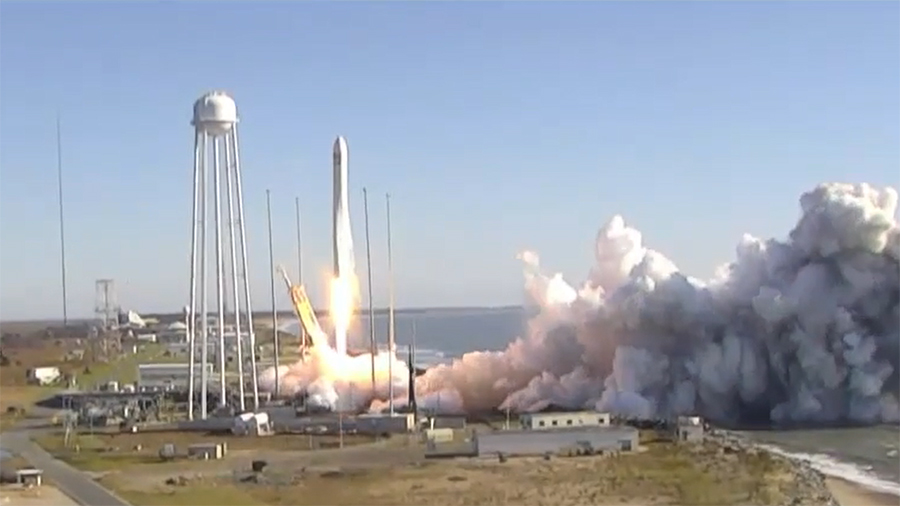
x,y
216,156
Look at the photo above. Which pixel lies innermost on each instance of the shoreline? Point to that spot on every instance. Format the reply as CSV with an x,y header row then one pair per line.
x,y
849,493
843,492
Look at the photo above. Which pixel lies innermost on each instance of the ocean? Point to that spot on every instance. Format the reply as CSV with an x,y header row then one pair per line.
x,y
868,456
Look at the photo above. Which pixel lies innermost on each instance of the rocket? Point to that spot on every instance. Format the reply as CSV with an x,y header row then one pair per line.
x,y
342,252
342,239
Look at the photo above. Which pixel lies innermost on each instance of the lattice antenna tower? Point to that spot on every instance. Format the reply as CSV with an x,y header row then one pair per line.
x,y
106,305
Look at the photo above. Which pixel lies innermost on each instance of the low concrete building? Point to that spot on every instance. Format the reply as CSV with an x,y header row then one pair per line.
x,y
206,451
690,420
446,422
529,442
438,435
147,338
30,477
561,420
690,429
379,423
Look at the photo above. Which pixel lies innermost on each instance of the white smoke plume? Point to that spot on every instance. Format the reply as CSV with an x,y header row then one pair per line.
x,y
803,330
337,381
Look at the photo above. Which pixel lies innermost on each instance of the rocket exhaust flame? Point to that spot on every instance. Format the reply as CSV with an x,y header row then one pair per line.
x,y
343,300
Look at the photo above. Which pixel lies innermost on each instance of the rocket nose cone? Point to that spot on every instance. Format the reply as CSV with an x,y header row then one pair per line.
x,y
340,145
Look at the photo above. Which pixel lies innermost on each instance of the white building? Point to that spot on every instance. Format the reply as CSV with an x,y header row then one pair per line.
x,y
43,375
562,420
252,424
146,337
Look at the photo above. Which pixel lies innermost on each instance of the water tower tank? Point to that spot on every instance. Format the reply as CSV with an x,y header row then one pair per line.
x,y
215,113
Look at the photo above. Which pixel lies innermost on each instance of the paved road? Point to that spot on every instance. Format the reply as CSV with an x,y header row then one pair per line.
x,y
72,482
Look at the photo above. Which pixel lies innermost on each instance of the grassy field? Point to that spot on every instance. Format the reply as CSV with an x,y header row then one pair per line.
x,y
21,397
88,372
663,474
16,392
106,451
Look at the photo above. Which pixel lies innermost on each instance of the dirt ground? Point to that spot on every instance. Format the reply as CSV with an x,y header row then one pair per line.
x,y
45,495
14,495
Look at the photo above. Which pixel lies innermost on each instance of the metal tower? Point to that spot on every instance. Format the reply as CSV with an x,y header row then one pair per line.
x,y
106,308
216,135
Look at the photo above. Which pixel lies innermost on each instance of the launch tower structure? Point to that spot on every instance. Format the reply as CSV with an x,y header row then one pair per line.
x,y
215,121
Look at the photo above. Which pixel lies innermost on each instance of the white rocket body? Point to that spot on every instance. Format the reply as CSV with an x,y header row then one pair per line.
x,y
342,252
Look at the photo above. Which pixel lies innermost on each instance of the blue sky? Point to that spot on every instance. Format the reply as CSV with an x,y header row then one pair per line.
x,y
495,126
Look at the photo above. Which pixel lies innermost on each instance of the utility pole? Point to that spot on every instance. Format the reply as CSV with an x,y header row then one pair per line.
x,y
369,275
272,284
390,309
62,230
303,337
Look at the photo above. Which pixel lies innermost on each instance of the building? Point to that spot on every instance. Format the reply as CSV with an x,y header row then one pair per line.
x,y
446,422
436,436
561,420
171,336
171,376
252,424
530,442
43,375
29,477
148,337
691,429
179,344
71,355
383,423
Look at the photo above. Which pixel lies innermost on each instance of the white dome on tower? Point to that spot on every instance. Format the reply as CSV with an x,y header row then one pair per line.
x,y
215,113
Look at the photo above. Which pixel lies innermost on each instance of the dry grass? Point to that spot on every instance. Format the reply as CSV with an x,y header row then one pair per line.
x,y
663,474
106,451
211,494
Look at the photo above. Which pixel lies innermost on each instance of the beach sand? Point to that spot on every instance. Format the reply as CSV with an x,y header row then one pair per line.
x,y
848,493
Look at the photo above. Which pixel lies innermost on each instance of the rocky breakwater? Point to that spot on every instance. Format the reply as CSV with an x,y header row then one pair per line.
x,y
799,483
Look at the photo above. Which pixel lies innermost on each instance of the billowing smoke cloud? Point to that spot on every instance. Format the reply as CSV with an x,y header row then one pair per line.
x,y
796,331
337,381
802,330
